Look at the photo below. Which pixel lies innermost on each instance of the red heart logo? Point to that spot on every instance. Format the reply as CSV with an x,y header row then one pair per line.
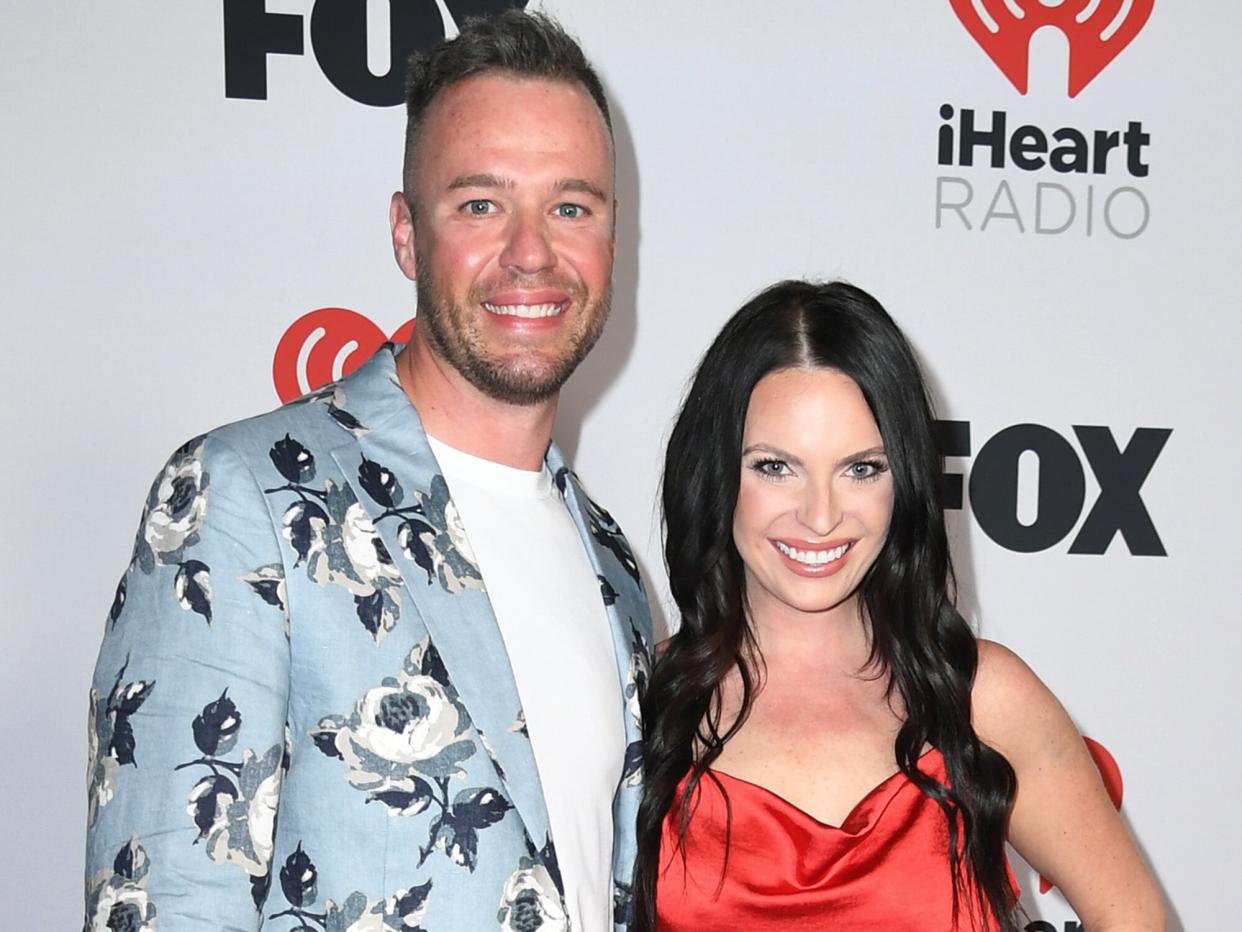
x,y
1110,773
1097,31
309,354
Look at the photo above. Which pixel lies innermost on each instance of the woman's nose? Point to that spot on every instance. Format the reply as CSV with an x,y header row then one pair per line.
x,y
818,511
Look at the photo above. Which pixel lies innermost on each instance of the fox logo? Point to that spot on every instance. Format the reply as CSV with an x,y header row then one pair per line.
x,y
338,38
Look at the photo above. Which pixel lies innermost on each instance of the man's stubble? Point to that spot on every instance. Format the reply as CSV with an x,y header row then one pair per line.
x,y
452,332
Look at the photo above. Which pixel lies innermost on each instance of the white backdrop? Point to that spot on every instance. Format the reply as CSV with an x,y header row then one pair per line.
x,y
159,237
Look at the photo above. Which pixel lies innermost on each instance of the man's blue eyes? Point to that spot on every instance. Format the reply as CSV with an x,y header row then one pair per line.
x,y
481,207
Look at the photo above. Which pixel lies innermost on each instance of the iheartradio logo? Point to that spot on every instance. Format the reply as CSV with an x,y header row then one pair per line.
x,y
1072,160
325,344
1096,30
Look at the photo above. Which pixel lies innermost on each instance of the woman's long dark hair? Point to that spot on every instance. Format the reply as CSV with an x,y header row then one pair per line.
x,y
918,639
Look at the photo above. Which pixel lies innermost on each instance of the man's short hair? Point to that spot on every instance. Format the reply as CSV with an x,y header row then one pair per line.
x,y
526,45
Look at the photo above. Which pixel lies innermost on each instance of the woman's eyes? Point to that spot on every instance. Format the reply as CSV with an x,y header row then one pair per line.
x,y
866,469
771,468
862,470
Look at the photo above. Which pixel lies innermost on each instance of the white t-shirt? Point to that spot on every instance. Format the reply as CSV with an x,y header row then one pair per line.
x,y
547,602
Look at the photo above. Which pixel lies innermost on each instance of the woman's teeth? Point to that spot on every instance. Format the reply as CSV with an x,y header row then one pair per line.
x,y
812,557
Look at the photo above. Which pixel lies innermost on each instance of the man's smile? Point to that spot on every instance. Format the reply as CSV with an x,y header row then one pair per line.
x,y
550,309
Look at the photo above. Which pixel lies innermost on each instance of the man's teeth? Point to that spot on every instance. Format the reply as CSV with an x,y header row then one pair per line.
x,y
812,557
524,310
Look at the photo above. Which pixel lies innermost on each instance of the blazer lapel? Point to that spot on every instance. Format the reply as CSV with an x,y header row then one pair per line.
x,y
630,620
397,481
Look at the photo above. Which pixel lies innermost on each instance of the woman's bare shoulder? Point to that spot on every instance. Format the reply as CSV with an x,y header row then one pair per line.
x,y
1000,671
1011,707
1063,822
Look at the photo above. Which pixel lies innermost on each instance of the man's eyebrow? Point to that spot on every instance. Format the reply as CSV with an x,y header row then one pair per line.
x,y
486,180
581,186
480,180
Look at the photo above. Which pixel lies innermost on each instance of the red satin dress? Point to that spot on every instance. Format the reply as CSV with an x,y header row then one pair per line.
x,y
884,869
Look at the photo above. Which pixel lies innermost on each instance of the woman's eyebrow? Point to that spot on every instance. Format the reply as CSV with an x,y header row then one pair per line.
x,y
772,451
863,454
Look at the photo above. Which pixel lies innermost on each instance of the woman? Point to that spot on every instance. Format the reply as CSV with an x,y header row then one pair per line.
x,y
828,745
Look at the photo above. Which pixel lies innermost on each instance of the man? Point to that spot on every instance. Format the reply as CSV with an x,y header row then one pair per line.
x,y
375,662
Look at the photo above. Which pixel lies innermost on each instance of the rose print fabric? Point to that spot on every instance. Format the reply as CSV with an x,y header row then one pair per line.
x,y
303,716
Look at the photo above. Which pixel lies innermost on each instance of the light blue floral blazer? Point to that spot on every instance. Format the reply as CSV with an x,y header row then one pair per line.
x,y
303,716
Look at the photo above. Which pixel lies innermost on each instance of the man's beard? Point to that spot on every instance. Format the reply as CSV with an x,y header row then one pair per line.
x,y
453,333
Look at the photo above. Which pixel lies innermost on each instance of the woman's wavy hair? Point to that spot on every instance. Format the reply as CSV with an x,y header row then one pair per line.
x,y
918,639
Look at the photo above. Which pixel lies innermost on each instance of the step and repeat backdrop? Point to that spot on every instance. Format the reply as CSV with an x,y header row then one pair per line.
x,y
1044,194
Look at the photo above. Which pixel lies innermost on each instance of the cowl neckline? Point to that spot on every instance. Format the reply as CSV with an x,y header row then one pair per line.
x,y
864,813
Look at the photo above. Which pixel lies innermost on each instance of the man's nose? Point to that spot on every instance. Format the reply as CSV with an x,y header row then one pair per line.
x,y
528,248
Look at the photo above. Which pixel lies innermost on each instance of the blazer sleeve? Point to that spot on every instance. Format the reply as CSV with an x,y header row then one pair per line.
x,y
188,708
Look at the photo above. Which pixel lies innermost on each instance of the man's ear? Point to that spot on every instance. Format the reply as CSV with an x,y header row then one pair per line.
x,y
401,221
